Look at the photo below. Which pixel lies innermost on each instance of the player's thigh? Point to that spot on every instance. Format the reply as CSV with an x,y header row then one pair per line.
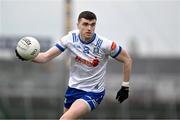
x,y
77,110
65,110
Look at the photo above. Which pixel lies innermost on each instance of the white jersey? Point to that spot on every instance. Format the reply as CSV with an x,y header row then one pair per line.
x,y
88,60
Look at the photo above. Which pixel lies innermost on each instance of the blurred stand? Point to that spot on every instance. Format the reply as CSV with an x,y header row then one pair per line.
x,y
36,91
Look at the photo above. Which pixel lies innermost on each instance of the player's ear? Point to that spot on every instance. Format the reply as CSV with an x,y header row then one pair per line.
x,y
77,25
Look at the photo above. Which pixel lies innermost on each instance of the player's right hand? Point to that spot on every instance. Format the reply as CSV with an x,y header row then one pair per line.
x,y
17,54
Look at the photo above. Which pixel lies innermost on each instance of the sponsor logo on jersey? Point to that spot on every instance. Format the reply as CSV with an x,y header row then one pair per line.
x,y
92,63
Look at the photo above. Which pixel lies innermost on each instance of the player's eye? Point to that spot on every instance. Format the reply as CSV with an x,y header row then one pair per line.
x,y
93,24
85,24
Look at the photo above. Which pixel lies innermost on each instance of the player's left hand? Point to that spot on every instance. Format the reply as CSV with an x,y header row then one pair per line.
x,y
122,94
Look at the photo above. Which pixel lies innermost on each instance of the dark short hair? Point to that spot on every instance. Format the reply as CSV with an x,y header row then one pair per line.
x,y
87,15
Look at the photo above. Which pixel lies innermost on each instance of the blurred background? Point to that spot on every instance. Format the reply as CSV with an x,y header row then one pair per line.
x,y
148,29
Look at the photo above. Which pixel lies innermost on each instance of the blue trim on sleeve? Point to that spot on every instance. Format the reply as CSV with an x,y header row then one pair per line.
x,y
117,52
59,47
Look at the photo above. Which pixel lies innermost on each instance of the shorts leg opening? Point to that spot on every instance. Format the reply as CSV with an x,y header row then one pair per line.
x,y
90,109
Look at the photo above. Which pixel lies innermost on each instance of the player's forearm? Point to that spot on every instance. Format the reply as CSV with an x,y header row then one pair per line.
x,y
41,58
127,70
44,57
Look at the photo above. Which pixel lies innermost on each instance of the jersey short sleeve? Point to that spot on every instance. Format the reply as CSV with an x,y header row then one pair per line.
x,y
115,49
112,48
62,43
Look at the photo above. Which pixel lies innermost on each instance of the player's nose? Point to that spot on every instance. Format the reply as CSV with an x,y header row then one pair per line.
x,y
89,27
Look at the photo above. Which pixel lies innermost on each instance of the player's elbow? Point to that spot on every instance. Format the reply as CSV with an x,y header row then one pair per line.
x,y
128,61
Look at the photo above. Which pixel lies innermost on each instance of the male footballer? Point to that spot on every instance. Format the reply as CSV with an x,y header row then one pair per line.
x,y
89,56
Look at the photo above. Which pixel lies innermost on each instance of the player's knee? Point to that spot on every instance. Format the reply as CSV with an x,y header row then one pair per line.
x,y
66,117
62,118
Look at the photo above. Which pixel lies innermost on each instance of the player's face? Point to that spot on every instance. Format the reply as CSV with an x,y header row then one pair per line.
x,y
86,28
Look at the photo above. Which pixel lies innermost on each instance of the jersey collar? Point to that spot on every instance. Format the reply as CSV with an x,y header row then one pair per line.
x,y
84,42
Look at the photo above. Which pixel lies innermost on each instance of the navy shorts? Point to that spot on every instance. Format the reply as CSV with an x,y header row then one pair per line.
x,y
91,98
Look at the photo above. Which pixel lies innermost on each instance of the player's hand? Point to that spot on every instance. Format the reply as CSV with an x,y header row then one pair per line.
x,y
122,94
17,54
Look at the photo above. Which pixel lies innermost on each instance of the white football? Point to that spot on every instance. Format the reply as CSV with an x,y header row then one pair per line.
x,y
28,48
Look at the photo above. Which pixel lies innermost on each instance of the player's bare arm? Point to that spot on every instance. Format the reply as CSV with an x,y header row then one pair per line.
x,y
123,93
44,57
127,61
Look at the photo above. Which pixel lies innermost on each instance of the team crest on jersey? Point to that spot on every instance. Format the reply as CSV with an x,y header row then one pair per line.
x,y
96,50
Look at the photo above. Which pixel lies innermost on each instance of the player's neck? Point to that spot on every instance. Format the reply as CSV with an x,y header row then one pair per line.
x,y
85,40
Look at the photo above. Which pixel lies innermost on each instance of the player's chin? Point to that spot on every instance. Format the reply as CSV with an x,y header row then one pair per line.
x,y
88,36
